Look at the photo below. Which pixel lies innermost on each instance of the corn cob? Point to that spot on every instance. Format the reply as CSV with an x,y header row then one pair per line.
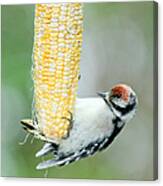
x,y
56,55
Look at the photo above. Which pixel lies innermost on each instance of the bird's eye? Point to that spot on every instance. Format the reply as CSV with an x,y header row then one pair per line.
x,y
118,96
114,97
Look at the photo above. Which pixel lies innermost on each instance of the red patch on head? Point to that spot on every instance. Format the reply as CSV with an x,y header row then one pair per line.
x,y
121,91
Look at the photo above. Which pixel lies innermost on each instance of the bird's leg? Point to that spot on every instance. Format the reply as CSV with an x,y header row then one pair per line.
x,y
70,122
69,119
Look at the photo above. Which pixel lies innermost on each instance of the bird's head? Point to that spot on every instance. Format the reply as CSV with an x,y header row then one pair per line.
x,y
121,99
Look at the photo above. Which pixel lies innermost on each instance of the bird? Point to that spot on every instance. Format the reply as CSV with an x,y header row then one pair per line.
x,y
95,124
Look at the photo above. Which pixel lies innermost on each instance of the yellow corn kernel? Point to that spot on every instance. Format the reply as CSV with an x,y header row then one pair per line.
x,y
56,54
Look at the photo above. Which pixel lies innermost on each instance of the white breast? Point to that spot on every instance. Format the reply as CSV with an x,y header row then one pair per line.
x,y
92,121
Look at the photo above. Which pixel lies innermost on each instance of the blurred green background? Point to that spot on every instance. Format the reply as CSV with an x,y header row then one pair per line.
x,y
117,48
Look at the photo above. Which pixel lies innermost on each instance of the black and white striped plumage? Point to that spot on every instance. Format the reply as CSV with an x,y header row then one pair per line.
x,y
96,123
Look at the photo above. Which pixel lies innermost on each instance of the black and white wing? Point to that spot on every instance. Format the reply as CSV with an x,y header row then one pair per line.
x,y
91,149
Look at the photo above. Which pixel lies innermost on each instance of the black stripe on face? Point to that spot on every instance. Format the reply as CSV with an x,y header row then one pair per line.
x,y
127,109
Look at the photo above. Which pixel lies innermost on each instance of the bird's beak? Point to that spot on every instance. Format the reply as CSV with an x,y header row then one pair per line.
x,y
102,94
